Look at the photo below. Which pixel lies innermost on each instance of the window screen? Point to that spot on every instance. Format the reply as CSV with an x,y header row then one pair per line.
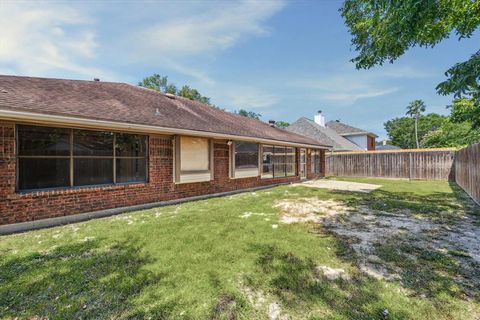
x,y
267,163
59,157
315,161
278,161
246,155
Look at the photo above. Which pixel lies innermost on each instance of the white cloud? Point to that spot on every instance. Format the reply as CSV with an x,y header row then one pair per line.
x,y
246,97
352,97
184,40
216,29
42,38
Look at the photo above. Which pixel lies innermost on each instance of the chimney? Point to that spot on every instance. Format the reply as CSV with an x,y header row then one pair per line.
x,y
319,118
271,123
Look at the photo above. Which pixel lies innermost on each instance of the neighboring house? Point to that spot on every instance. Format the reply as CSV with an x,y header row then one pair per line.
x,y
341,136
383,145
70,146
364,139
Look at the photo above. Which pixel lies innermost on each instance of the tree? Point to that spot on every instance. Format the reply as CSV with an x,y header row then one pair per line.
x,y
282,124
161,84
155,82
401,131
451,134
383,30
193,94
248,114
414,109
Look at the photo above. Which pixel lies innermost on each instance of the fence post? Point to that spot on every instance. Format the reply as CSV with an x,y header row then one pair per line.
x,y
410,165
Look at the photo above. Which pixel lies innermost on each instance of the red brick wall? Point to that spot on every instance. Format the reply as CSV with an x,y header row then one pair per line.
x,y
19,207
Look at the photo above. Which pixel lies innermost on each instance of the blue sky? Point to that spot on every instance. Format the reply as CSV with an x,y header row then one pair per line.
x,y
278,58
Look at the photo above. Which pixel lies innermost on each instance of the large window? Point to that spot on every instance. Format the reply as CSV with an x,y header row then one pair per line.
x,y
278,161
246,159
58,157
192,159
315,161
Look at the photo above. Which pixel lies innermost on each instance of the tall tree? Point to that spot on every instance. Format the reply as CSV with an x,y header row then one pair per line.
x,y
160,83
451,134
414,109
401,131
154,82
383,30
248,114
282,124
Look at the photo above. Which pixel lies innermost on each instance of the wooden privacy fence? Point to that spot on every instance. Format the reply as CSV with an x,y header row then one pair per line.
x,y
467,170
424,164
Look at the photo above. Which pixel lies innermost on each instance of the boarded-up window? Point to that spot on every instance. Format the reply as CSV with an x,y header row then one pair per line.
x,y
194,154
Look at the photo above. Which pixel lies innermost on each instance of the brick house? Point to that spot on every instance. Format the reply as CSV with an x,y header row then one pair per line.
x,y
70,146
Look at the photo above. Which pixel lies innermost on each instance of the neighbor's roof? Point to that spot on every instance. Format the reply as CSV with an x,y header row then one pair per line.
x,y
345,129
323,135
125,103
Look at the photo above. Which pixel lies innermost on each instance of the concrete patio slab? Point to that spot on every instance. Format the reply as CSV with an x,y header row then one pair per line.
x,y
339,185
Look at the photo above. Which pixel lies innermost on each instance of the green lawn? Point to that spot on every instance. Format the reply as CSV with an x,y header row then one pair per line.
x,y
231,258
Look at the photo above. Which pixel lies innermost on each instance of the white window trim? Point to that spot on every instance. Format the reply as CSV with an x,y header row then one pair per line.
x,y
179,178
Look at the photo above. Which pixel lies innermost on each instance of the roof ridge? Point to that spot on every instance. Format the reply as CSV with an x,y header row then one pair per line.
x,y
61,79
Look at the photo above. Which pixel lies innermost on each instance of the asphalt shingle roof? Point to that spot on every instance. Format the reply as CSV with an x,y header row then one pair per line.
x,y
323,135
345,129
125,103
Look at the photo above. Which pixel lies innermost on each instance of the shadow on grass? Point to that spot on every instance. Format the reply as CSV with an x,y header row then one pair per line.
x,y
427,270
78,280
298,284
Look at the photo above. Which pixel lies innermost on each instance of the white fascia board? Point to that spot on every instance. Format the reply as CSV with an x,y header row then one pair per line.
x,y
41,118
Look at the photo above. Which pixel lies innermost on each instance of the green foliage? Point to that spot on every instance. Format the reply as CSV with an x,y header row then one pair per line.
x,y
193,94
463,82
383,30
161,84
415,108
401,131
282,124
451,134
154,82
248,114
465,110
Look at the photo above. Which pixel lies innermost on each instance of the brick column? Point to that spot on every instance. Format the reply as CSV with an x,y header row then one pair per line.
x,y
7,168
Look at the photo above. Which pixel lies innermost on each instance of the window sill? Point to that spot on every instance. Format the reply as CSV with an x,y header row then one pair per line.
x,y
193,178
283,177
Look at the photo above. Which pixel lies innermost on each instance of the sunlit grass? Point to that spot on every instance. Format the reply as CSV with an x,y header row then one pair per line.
x,y
200,260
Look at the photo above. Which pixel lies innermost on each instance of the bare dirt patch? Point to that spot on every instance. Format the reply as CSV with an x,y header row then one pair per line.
x,y
264,303
308,209
339,185
371,232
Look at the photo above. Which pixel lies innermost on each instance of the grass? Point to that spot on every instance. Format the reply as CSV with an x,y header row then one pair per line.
x,y
207,259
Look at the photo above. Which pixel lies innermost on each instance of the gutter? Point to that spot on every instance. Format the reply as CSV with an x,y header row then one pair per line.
x,y
41,118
